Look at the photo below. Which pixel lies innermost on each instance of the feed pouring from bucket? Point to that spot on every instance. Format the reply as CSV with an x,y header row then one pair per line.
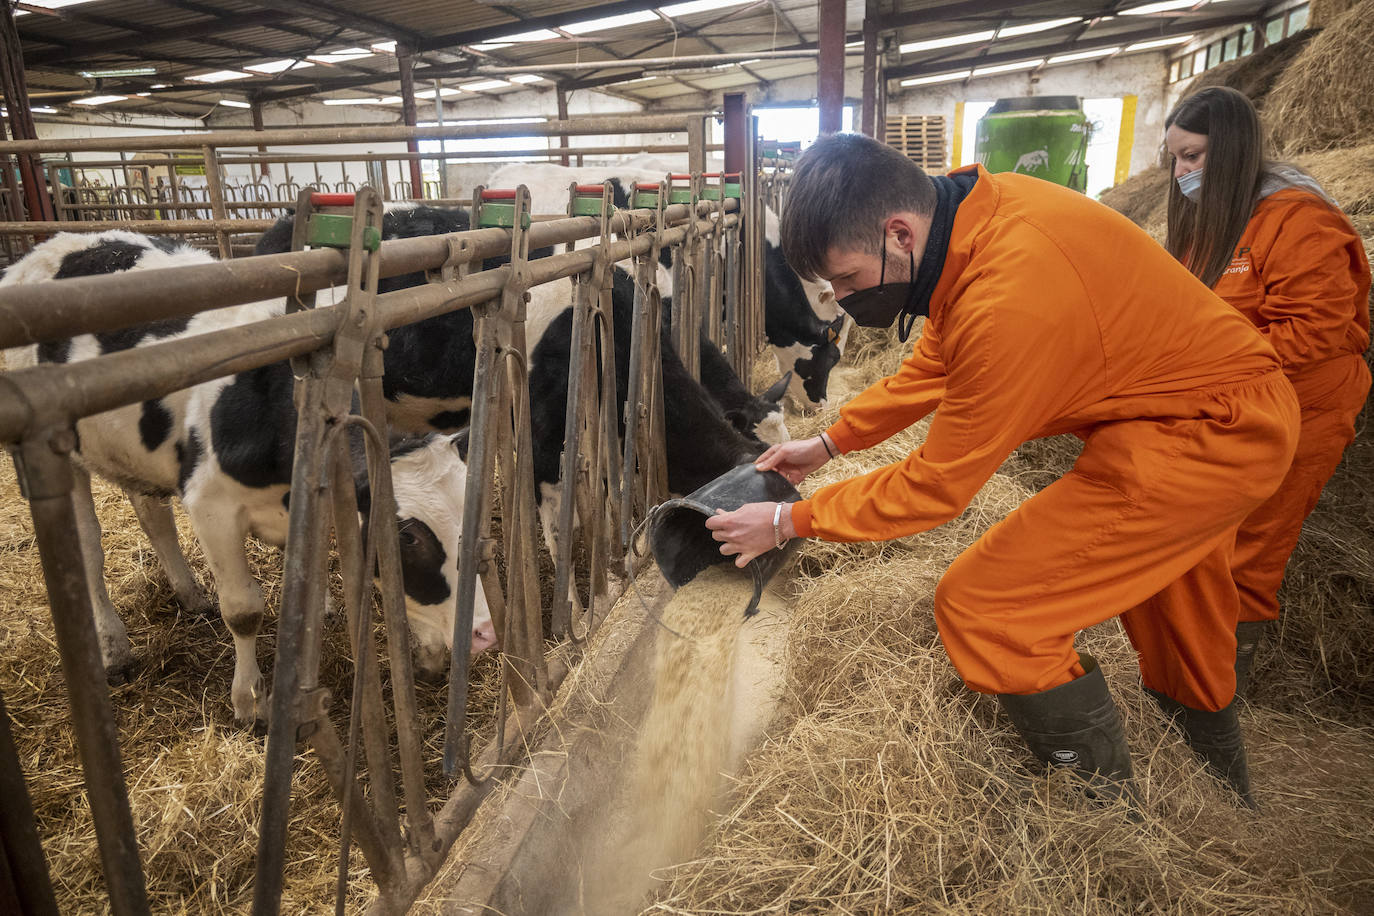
x,y
682,544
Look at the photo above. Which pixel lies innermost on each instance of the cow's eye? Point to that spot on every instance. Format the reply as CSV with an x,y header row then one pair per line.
x,y
408,538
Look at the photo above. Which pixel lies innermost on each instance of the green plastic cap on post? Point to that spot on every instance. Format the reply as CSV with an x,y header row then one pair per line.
x,y
646,196
334,230
498,211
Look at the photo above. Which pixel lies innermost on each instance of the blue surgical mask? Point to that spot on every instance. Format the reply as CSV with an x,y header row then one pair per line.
x,y
1190,185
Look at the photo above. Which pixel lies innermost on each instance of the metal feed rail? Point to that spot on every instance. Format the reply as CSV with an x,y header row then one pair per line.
x,y
39,407
219,191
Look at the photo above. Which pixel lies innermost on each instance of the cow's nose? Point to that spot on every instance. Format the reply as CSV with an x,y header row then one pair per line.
x,y
483,637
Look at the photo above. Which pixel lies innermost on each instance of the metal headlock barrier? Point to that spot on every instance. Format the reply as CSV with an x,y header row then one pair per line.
x,y
713,225
182,184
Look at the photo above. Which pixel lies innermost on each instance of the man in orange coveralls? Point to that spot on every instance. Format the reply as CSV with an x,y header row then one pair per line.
x,y
1046,313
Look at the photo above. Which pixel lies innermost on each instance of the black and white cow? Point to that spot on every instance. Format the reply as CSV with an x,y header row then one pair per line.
x,y
224,448
548,183
429,364
801,321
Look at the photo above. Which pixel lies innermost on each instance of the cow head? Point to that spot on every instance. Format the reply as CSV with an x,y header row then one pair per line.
x,y
810,367
429,477
762,416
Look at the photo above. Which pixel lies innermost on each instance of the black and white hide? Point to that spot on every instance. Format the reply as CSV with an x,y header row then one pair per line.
x,y
803,325
701,443
224,448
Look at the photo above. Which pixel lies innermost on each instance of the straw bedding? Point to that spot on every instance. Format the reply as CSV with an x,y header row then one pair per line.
x,y
890,787
885,786
194,776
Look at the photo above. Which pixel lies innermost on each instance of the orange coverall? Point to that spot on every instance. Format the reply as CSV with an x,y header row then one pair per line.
x,y
1054,314
1300,275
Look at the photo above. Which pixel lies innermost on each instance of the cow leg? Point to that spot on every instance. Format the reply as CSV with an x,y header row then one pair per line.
x,y
240,604
115,651
155,516
550,499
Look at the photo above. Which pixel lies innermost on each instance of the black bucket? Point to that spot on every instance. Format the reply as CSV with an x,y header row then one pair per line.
x,y
683,545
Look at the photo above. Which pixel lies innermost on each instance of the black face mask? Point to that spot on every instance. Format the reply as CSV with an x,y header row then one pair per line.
x,y
878,306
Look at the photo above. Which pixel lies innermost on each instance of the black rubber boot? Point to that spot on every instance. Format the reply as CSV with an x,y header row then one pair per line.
x,y
1076,725
1216,738
1249,633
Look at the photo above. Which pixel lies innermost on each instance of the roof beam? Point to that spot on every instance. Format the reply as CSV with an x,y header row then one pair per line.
x,y
969,9
552,21
139,40
926,68
324,11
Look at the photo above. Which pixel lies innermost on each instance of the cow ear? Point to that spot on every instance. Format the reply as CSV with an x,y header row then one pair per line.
x,y
460,441
778,390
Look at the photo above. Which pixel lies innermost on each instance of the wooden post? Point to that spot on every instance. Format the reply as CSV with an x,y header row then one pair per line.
x,y
212,181
830,68
255,109
561,95
405,57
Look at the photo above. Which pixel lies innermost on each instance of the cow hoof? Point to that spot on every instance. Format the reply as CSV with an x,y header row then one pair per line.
x,y
199,605
120,675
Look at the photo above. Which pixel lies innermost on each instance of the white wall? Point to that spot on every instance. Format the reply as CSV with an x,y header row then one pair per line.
x,y
464,174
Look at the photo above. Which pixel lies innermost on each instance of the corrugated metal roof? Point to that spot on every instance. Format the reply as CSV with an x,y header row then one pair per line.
x,y
185,38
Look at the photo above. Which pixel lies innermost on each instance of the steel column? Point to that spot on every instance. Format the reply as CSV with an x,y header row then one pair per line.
x,y
405,59
830,67
561,97
736,126
869,121
16,93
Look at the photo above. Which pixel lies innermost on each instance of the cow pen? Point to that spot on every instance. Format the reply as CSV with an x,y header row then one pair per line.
x,y
218,187
711,222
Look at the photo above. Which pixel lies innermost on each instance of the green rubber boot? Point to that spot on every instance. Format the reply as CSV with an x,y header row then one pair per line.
x,y
1216,738
1077,725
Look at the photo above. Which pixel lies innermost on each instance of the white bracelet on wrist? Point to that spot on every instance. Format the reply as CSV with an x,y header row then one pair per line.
x,y
778,539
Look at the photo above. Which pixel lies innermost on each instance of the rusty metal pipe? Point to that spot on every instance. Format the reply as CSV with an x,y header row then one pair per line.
x,y
311,136
58,309
45,472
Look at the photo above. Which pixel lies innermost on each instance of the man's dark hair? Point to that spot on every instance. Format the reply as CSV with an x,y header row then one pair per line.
x,y
844,187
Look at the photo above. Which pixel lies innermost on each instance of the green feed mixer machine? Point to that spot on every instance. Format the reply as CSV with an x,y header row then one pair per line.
x,y
1045,136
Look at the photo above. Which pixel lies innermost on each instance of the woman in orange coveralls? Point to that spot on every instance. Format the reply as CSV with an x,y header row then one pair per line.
x,y
1046,313
1269,241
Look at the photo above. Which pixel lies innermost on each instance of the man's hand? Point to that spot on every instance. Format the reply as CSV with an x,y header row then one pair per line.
x,y
748,531
795,459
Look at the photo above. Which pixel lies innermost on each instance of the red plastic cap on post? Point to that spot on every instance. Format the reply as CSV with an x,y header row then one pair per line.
x,y
331,200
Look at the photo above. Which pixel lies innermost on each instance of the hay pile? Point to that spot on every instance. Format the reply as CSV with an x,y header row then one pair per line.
x,y
1325,99
194,777
1255,75
890,787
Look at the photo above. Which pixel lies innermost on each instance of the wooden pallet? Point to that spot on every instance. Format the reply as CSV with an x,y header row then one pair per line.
x,y
921,138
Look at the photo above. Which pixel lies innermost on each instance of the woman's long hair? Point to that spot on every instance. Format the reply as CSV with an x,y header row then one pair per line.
x,y
1203,235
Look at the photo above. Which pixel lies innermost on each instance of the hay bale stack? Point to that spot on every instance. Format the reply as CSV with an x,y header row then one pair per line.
x,y
1325,99
1257,74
